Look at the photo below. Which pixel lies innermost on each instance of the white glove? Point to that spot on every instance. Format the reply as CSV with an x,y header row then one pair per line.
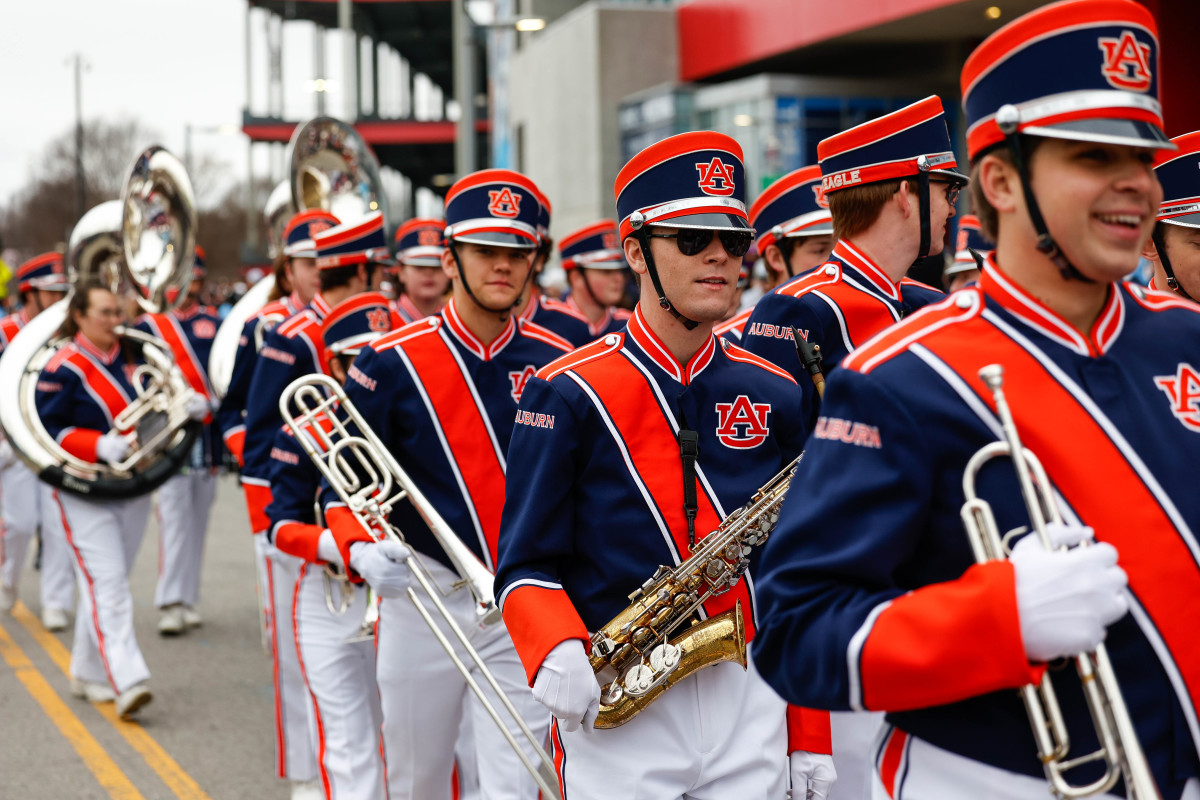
x,y
567,687
197,407
813,775
381,564
327,549
1066,599
112,447
7,456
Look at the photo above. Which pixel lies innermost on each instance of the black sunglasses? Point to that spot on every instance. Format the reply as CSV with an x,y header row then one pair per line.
x,y
692,241
953,190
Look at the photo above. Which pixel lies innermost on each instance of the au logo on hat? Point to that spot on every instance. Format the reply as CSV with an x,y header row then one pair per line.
x,y
318,226
429,237
716,177
1126,62
504,202
819,191
378,319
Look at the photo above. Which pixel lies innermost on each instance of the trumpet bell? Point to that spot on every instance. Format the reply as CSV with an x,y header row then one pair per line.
x,y
158,229
333,169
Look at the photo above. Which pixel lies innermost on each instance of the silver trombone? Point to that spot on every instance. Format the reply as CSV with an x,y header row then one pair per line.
x,y
371,483
1119,750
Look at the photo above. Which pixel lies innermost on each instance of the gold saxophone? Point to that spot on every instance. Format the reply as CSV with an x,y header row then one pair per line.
x,y
635,657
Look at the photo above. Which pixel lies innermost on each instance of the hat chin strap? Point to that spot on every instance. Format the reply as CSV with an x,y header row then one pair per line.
x,y
1007,119
503,313
639,230
1172,282
923,205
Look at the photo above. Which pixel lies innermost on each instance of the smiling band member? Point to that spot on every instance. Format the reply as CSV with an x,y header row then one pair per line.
x,y
441,394
632,449
873,598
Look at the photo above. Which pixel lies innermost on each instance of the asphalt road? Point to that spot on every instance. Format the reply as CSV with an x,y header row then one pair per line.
x,y
207,734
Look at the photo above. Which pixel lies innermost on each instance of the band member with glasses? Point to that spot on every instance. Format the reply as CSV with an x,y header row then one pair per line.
x,y
337,663
1174,247
80,392
597,276
347,257
891,184
441,395
872,595
632,449
28,505
795,235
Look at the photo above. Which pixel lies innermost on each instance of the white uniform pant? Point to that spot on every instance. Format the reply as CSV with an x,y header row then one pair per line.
x,y
424,697
184,503
28,504
341,682
720,734
908,768
294,754
855,734
105,535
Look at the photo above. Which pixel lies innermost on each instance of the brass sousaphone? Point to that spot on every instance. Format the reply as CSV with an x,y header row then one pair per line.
x,y
331,168
143,244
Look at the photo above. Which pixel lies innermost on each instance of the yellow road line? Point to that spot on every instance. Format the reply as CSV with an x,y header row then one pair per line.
x,y
94,756
168,770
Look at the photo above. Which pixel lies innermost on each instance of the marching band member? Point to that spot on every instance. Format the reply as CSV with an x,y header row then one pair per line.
x,y
339,673
534,306
419,258
795,235
79,393
348,257
610,487
297,265
872,598
185,499
970,251
441,394
28,505
596,275
891,184
1174,247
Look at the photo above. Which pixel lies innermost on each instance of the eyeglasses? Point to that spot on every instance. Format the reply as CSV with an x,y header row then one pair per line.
x,y
692,241
953,190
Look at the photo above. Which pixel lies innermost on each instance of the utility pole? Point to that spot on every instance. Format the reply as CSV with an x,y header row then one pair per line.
x,y
463,57
79,183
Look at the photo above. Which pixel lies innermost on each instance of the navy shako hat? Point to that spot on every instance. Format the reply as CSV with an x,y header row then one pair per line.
x,y
544,212
45,271
493,207
359,242
902,144
791,207
1179,174
299,232
690,180
597,246
1082,69
970,237
419,242
199,266
356,322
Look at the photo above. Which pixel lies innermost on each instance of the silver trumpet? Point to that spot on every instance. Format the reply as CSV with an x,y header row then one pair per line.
x,y
371,483
1119,750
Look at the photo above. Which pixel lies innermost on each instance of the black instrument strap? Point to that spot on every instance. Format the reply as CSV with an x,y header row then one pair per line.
x,y
689,448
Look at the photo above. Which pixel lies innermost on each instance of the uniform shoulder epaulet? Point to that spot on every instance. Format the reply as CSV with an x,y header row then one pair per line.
x,y
822,276
535,331
300,323
906,281
746,357
273,307
736,322
419,327
562,308
962,305
623,314
1159,300
589,352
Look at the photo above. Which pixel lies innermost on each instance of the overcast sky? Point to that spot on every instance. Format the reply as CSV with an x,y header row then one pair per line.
x,y
168,63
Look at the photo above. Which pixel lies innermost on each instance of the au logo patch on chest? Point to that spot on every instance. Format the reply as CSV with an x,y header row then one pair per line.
x,y
519,379
742,424
504,203
1183,389
204,329
1126,62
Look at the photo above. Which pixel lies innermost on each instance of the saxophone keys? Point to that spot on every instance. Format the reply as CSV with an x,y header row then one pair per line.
x,y
612,693
665,657
602,647
639,680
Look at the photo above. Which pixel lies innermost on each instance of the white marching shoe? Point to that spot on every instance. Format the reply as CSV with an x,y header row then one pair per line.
x,y
92,691
8,597
130,701
307,790
55,619
191,617
171,621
